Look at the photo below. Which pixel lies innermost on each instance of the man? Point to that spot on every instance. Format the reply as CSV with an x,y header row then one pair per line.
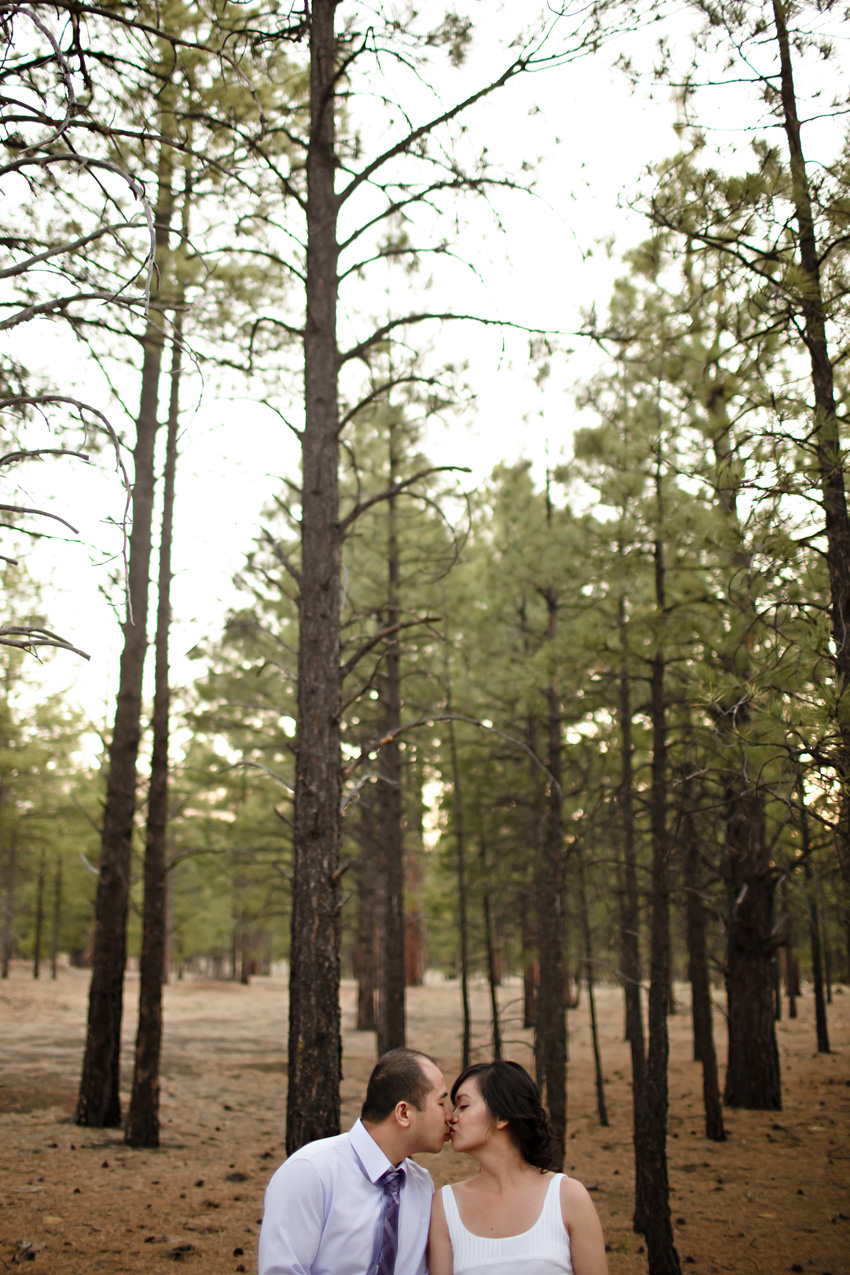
x,y
355,1204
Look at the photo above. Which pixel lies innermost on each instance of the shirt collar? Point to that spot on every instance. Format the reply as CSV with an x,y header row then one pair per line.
x,y
370,1155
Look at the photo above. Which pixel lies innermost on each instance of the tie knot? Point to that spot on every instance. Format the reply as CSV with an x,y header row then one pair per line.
x,y
391,1181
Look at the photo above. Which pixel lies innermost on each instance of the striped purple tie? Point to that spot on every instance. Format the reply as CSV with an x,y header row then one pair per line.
x,y
391,1182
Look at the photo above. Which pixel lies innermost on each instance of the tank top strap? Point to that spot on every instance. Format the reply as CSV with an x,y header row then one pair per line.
x,y
552,1204
449,1203
457,1230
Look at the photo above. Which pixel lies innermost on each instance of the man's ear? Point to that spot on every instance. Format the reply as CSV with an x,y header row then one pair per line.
x,y
401,1114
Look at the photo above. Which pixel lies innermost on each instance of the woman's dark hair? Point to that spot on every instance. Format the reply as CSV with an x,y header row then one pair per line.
x,y
510,1094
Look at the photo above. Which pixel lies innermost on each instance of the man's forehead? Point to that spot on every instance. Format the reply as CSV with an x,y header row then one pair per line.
x,y
433,1074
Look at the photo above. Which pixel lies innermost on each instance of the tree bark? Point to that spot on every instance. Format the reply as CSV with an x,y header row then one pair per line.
x,y
315,1044
629,927
704,1051
414,877
821,1030
98,1103
601,1106
530,968
364,951
39,916
143,1116
792,976
391,971
663,1258
826,427
752,1074
7,944
462,910
57,918
492,973
550,1038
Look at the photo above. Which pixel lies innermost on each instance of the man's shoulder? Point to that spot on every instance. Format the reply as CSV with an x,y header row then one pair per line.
x,y
323,1150
420,1176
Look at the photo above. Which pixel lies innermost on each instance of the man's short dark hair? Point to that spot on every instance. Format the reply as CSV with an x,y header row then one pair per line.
x,y
397,1077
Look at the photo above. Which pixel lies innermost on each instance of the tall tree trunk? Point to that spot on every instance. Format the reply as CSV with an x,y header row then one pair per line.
x,y
98,1103
7,944
367,879
821,1030
391,980
663,1258
752,1074
551,1027
629,929
315,1044
492,974
414,919
143,1117
792,978
528,938
826,428
39,916
591,996
57,917
704,1051
460,861
414,913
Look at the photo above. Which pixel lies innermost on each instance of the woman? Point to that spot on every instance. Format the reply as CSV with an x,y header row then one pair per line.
x,y
516,1216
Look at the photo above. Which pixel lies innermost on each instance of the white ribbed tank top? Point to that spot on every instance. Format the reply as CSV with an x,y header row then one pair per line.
x,y
544,1250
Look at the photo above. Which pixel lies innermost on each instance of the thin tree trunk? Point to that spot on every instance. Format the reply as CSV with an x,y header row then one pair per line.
x,y
414,879
826,428
663,1258
315,1044
245,949
367,884
823,913
57,918
460,860
391,972
98,1103
792,981
529,963
492,977
143,1117
591,997
39,916
821,1030
364,951
9,874
551,1027
629,930
704,1051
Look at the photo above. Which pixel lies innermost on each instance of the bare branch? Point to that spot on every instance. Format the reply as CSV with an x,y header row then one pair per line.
x,y
397,489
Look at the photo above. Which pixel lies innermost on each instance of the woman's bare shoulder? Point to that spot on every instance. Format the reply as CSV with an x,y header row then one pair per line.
x,y
575,1197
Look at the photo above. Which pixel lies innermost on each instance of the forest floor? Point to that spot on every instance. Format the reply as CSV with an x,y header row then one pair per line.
x,y
775,1197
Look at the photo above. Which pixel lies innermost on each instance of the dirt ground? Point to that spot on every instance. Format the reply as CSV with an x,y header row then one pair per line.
x,y
775,1197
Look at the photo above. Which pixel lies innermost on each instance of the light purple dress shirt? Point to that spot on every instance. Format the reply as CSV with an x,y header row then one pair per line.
x,y
324,1210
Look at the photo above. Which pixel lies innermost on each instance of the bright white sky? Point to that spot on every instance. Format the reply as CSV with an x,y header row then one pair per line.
x,y
597,138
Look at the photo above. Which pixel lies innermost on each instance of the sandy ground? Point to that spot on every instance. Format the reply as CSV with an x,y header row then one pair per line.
x,y
775,1197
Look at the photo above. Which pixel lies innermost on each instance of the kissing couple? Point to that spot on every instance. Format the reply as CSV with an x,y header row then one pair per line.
x,y
356,1204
